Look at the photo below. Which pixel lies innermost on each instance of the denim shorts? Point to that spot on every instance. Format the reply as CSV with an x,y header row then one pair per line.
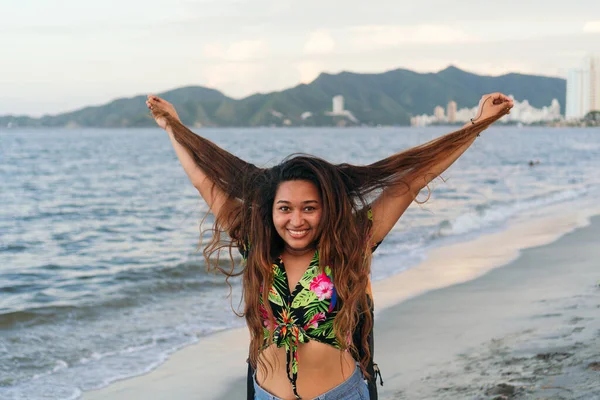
x,y
353,388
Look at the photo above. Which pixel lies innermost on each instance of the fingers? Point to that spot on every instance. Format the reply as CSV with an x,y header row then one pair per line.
x,y
496,96
155,98
499,100
153,102
149,104
502,98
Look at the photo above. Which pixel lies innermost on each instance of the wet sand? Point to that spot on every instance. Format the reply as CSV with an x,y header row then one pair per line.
x,y
528,330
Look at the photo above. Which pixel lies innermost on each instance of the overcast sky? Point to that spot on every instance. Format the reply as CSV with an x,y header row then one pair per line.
x,y
61,55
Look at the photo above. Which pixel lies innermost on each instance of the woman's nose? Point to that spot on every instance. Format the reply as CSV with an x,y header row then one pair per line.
x,y
297,219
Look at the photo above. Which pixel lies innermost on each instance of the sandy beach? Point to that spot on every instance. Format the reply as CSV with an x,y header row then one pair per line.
x,y
509,315
527,330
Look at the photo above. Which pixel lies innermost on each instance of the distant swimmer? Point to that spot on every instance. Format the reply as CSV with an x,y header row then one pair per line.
x,y
532,163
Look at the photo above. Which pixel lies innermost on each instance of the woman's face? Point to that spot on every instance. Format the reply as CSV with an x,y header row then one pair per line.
x,y
296,213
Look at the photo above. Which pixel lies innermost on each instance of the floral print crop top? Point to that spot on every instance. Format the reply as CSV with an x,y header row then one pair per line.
x,y
307,313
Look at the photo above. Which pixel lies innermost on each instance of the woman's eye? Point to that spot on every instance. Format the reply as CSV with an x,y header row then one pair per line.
x,y
309,209
284,208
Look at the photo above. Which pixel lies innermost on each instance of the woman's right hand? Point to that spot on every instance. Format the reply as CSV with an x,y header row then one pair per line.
x,y
159,107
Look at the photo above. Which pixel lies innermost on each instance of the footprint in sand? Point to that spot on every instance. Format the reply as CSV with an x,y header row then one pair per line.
x,y
576,320
551,315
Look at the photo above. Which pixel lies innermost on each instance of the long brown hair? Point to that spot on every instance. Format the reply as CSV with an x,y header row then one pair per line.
x,y
343,243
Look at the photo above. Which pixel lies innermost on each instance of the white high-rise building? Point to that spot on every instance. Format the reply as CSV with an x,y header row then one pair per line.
x,y
338,109
451,109
593,63
574,107
583,89
439,113
338,104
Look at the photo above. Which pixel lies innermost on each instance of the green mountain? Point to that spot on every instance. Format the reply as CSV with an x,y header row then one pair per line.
x,y
388,98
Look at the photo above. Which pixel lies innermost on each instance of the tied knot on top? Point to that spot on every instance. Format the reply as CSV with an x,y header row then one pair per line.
x,y
290,335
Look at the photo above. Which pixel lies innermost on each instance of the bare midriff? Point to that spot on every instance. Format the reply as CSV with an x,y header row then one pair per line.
x,y
321,367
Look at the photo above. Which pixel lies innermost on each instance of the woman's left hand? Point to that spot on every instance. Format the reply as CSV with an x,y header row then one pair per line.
x,y
493,104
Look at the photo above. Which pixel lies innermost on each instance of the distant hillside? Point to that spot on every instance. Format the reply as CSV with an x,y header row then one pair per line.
x,y
388,98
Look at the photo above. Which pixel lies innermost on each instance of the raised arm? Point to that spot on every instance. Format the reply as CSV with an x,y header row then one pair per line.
x,y
393,201
211,170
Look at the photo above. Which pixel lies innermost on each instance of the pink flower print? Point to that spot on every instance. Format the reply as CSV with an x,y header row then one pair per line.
x,y
314,321
322,286
264,315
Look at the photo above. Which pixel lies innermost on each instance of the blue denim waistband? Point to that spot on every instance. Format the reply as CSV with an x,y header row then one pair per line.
x,y
344,390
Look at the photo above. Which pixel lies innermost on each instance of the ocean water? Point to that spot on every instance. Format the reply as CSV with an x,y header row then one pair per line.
x,y
100,277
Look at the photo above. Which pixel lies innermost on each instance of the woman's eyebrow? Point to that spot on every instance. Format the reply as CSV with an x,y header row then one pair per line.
x,y
304,202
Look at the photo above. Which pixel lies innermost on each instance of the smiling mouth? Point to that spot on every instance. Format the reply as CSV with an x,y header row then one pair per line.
x,y
298,234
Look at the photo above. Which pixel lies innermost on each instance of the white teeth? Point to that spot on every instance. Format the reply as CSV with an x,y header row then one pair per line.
x,y
298,233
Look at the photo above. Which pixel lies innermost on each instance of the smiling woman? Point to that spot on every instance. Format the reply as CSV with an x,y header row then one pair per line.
x,y
296,214
306,229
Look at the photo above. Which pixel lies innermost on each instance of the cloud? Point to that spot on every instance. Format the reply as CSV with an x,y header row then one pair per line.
x,y
592,27
239,79
243,50
495,68
308,71
218,75
382,36
320,42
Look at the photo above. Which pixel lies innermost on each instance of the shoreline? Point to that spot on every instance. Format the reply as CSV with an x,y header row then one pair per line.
x,y
468,260
211,368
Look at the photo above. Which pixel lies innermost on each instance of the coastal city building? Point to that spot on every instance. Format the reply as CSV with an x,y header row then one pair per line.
x,y
451,111
439,113
522,112
465,114
593,65
338,104
338,109
583,89
575,95
527,114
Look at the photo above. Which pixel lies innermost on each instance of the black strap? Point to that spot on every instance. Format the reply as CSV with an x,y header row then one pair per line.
x,y
250,382
372,382
372,368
